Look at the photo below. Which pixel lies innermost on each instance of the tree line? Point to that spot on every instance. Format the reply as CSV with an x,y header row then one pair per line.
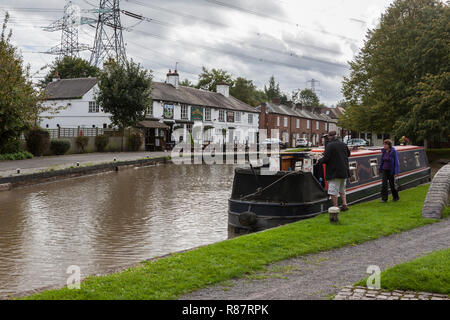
x,y
400,80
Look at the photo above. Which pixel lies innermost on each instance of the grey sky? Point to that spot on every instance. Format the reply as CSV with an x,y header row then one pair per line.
x,y
295,41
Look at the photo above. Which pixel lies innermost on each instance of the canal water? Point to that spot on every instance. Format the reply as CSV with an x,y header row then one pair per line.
x,y
108,221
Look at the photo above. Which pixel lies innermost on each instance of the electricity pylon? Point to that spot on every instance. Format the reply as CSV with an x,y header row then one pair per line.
x,y
69,37
108,42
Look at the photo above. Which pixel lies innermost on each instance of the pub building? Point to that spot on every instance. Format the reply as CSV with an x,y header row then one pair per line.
x,y
222,117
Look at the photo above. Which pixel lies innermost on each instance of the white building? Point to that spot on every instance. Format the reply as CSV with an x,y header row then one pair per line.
x,y
176,112
78,98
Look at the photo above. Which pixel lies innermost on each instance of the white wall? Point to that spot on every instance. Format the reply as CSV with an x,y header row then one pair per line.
x,y
75,114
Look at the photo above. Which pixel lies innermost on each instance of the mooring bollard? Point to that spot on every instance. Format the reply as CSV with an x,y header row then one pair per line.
x,y
334,212
18,170
78,164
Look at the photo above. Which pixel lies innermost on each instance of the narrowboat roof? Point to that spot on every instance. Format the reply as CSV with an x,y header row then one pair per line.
x,y
371,150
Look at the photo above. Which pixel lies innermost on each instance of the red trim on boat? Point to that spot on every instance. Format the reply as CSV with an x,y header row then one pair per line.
x,y
378,181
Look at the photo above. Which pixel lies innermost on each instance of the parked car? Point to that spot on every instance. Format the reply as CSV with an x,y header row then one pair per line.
x,y
302,142
271,141
356,142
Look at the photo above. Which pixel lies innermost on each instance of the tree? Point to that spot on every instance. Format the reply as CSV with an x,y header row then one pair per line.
x,y
247,92
273,91
187,83
429,118
20,103
208,80
124,92
306,97
68,68
409,46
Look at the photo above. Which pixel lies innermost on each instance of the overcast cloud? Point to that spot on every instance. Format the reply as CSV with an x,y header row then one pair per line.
x,y
295,41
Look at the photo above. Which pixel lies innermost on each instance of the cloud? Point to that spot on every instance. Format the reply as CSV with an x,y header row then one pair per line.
x,y
293,40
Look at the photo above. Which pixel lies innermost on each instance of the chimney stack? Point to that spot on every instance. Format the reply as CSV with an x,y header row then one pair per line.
x,y
56,77
223,88
173,78
276,101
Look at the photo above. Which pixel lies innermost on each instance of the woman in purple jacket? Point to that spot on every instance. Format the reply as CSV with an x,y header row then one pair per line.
x,y
389,167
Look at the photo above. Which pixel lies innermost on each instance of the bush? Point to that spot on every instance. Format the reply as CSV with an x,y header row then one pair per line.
x,y
16,156
101,142
82,143
59,147
11,146
135,141
38,141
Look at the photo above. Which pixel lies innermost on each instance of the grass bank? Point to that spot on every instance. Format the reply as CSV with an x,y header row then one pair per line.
x,y
430,273
171,277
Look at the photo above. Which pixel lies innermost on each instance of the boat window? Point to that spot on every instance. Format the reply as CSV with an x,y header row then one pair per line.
x,y
353,172
416,155
374,168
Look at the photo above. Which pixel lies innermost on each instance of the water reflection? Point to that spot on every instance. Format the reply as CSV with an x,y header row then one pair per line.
x,y
109,220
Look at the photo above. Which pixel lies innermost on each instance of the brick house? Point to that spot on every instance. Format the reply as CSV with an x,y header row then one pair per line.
x,y
294,121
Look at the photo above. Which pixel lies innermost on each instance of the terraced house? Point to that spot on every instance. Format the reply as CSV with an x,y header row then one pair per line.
x,y
295,121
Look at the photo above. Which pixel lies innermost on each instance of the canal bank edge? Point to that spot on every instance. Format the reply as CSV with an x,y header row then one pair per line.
x,y
8,183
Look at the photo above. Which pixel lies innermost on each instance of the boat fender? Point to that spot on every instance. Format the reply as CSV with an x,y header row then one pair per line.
x,y
247,218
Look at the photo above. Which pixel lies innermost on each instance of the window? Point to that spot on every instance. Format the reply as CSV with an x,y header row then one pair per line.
x,y
184,112
221,116
250,118
93,106
353,172
230,116
150,110
374,167
278,121
317,125
307,124
325,126
416,155
238,116
207,114
298,123
285,121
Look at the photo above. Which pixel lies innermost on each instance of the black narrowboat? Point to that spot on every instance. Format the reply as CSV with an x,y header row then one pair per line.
x,y
264,197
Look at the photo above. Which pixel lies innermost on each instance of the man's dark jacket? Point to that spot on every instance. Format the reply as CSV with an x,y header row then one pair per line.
x,y
336,158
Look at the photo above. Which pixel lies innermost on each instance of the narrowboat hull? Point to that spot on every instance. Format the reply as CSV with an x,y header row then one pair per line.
x,y
301,195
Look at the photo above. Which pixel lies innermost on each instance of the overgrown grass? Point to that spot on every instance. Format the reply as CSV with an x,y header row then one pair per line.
x,y
181,273
430,273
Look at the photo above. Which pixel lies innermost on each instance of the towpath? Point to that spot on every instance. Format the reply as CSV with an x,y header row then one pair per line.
x,y
321,275
37,164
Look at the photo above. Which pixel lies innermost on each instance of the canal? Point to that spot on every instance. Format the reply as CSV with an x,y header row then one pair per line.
x,y
108,221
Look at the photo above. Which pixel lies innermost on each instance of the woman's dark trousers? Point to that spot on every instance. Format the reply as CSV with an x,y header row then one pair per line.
x,y
387,176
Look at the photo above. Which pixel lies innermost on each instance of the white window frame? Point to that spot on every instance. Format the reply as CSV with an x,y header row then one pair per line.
x,y
237,116
93,107
308,124
184,112
150,109
285,122
353,166
278,121
207,114
221,115
250,118
317,125
298,123
374,168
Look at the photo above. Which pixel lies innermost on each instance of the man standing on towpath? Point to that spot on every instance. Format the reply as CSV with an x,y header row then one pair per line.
x,y
337,171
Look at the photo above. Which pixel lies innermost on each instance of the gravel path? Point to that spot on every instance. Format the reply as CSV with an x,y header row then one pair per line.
x,y
318,276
